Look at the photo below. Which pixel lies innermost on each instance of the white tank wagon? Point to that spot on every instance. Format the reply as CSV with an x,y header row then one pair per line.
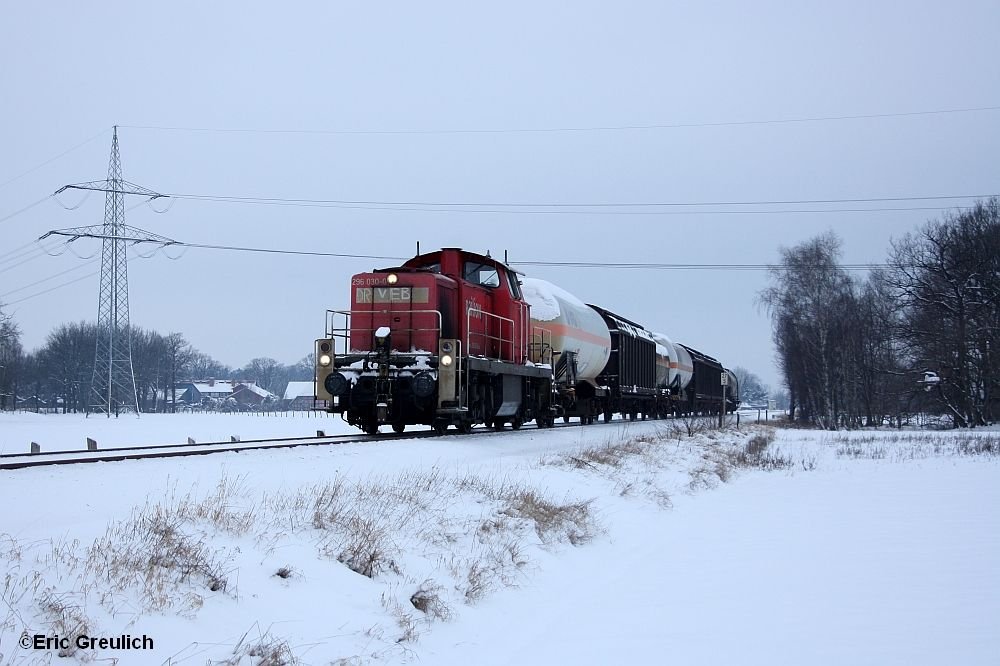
x,y
571,328
685,366
674,366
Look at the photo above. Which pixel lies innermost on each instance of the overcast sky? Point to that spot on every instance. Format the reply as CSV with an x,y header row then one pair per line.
x,y
417,73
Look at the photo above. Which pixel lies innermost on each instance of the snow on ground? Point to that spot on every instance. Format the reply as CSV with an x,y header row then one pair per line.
x,y
639,543
66,432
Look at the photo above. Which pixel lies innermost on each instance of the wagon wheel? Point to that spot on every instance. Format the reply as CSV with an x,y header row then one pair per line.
x,y
516,423
398,427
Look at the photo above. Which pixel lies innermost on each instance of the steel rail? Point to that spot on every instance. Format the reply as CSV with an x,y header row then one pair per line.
x,y
80,456
196,449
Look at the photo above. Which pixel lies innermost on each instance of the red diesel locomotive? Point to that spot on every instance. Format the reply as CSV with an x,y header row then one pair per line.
x,y
449,338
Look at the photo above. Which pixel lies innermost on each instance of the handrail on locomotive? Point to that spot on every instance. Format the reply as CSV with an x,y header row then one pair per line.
x,y
333,332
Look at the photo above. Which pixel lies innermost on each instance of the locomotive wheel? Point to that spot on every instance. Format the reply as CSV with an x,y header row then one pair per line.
x,y
465,427
565,419
608,416
371,428
440,427
632,416
398,427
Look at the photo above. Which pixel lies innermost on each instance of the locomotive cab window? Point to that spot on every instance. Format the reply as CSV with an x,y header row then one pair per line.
x,y
483,275
515,288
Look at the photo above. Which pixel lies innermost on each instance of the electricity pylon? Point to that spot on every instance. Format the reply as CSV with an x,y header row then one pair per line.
x,y
113,384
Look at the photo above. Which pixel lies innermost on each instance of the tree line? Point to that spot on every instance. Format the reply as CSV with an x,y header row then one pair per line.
x,y
918,335
59,373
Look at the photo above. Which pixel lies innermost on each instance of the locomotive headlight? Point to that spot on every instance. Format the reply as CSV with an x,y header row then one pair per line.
x,y
446,360
392,279
324,360
446,347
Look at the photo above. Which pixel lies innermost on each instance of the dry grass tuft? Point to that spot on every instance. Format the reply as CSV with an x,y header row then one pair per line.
x,y
157,552
404,620
285,572
756,454
265,650
572,521
66,620
427,599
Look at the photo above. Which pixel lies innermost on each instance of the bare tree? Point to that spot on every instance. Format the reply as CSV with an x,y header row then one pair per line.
x,y
64,366
752,390
809,300
947,278
179,354
11,360
203,366
267,372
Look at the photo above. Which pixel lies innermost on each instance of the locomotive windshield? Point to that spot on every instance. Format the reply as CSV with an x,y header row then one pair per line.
x,y
483,275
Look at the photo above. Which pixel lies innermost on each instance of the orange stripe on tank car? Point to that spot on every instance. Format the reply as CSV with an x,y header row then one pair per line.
x,y
575,333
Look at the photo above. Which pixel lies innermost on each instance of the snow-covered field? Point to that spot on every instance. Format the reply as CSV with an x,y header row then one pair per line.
x,y
66,432
641,543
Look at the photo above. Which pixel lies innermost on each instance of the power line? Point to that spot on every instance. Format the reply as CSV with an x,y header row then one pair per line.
x,y
593,208
562,264
595,128
688,267
18,249
26,208
25,257
51,277
50,289
53,159
556,264
622,204
267,250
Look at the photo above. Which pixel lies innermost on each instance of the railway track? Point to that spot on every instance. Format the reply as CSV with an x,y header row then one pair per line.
x,y
11,461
